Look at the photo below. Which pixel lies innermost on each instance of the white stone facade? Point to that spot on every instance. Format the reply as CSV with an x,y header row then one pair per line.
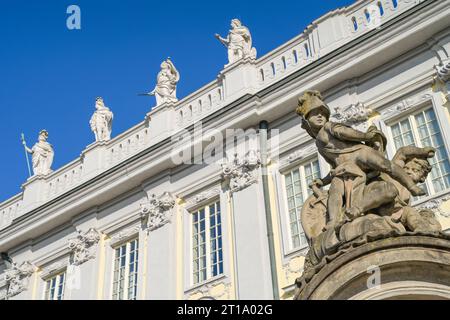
x,y
127,192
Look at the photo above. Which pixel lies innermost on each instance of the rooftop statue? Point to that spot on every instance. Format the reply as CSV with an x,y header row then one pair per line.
x,y
368,193
101,121
42,154
238,42
166,83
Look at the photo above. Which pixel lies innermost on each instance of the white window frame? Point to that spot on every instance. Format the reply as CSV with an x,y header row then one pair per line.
x,y
410,116
127,268
209,275
47,285
301,167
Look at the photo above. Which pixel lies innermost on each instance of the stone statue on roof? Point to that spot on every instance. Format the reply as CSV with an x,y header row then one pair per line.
x,y
101,121
238,42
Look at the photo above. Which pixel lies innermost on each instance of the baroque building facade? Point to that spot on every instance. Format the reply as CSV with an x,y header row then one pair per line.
x,y
125,221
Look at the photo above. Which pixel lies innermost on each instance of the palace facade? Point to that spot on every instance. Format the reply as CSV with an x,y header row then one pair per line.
x,y
126,221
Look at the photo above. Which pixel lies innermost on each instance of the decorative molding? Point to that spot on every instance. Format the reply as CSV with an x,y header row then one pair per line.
x,y
404,105
17,278
83,246
202,197
300,154
435,205
157,211
354,115
241,173
443,71
54,268
217,290
125,234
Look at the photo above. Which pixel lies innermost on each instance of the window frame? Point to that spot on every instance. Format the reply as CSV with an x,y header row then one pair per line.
x,y
116,246
410,114
47,285
191,212
286,231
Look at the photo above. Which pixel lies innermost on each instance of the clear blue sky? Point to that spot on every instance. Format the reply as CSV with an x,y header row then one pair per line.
x,y
50,76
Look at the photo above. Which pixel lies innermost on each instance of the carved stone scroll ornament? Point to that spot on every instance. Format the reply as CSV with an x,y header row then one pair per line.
x,y
83,246
355,116
158,210
443,71
241,172
17,278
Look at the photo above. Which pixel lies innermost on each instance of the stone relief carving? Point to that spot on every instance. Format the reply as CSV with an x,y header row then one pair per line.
x,y
355,116
241,173
157,211
301,154
443,71
125,234
404,105
53,268
17,278
41,154
83,246
205,195
238,42
101,121
218,290
435,206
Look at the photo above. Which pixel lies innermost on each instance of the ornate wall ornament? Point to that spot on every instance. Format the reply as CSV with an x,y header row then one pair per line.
x,y
241,173
443,71
435,205
54,268
301,154
404,105
354,115
17,278
217,290
125,234
157,211
203,196
83,246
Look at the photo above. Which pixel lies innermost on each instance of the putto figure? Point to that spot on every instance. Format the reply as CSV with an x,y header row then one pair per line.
x,y
166,83
238,42
42,154
101,121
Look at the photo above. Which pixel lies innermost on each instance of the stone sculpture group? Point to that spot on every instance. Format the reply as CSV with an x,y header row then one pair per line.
x,y
368,194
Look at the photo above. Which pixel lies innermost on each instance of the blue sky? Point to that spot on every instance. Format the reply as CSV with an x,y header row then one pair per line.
x,y
50,76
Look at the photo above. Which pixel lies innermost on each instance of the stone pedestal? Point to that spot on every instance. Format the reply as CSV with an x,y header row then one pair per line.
x,y
389,266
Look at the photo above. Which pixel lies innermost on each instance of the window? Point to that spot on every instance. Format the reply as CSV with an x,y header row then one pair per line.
x,y
54,287
126,271
297,191
422,129
207,252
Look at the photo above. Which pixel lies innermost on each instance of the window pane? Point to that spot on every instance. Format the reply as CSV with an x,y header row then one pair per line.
x,y
296,197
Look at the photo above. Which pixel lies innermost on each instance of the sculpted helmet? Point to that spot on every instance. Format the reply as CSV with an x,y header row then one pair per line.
x,y
309,101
